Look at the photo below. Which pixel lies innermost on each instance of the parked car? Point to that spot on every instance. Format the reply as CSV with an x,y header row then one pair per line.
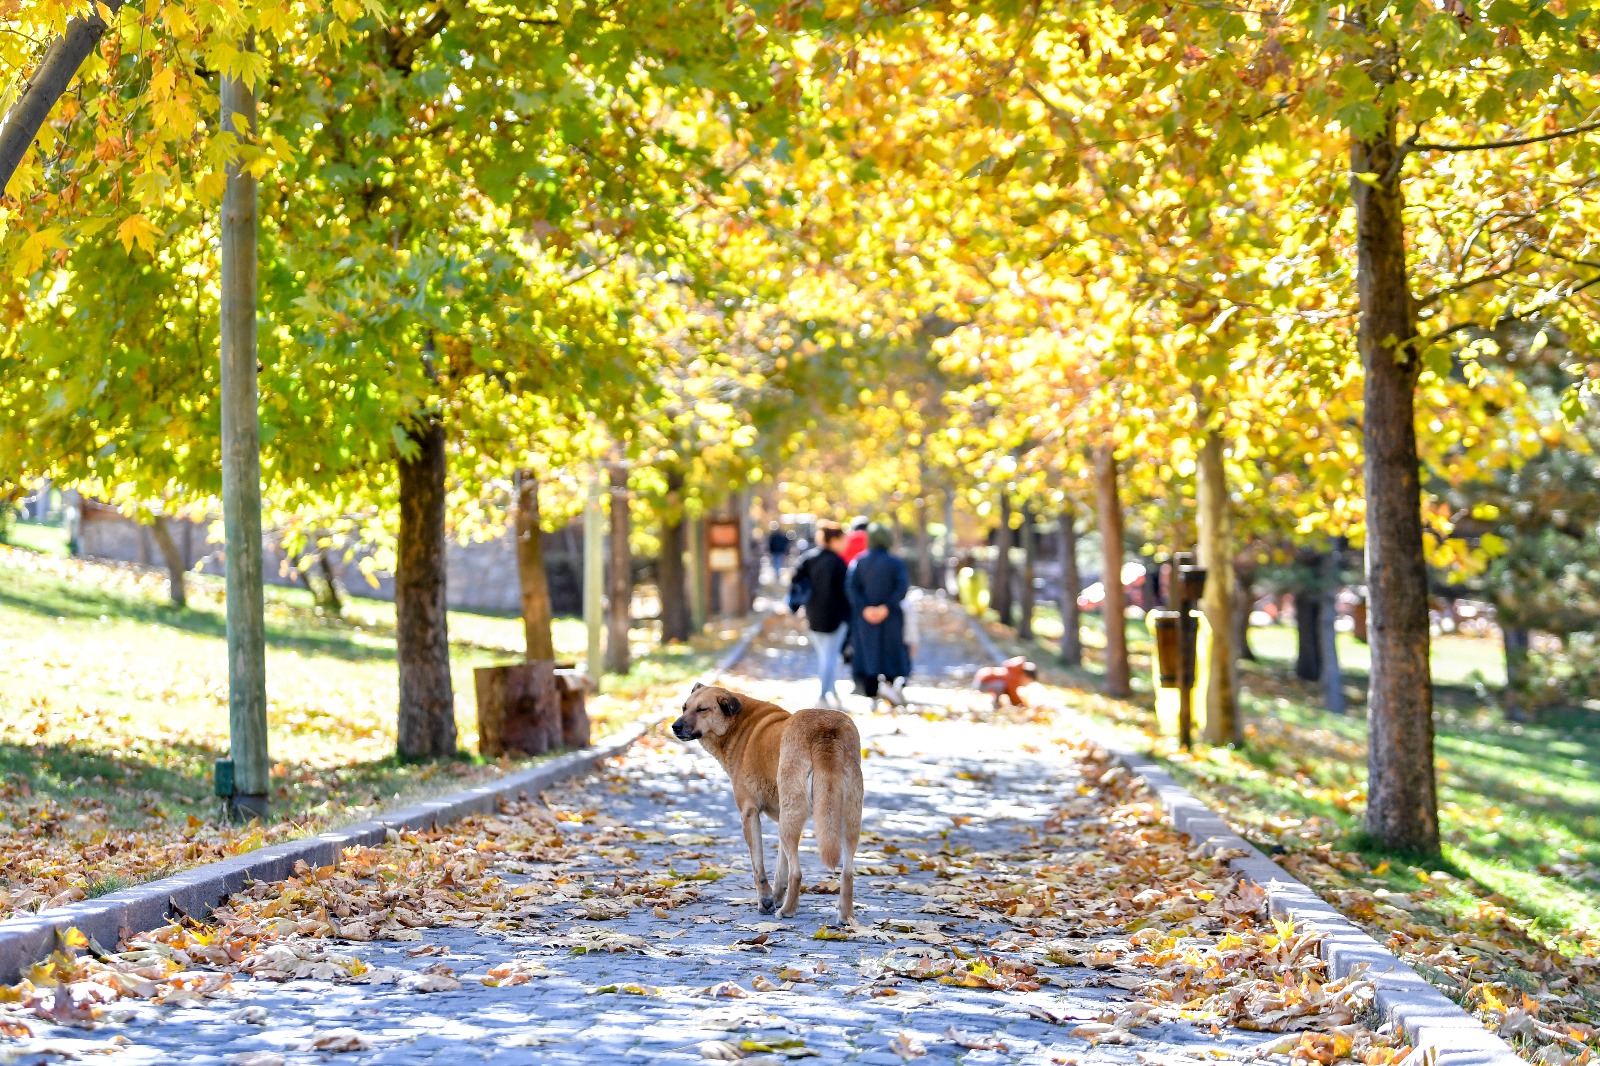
x,y
1134,577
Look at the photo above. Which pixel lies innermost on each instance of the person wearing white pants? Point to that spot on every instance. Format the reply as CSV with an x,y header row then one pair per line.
x,y
819,584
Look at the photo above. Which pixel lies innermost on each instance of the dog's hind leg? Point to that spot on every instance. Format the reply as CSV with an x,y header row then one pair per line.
x,y
792,811
758,858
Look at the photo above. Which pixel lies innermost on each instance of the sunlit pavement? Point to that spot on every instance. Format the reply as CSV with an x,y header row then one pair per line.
x,y
712,978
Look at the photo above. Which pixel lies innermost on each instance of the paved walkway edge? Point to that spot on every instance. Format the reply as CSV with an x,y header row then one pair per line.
x,y
1432,1023
106,919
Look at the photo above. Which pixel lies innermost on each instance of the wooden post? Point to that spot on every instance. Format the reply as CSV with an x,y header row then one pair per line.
x,y
1219,601
241,473
593,579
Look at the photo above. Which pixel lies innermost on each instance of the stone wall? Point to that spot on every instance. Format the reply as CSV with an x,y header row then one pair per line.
x,y
479,575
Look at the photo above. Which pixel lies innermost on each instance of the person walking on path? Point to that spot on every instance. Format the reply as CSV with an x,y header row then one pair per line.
x,y
856,543
876,584
777,547
827,606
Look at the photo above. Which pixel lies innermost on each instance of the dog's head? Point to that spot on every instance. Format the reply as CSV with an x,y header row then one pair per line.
x,y
709,711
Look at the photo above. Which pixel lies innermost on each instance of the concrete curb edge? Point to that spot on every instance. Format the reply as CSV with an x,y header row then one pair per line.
x,y
106,919
1432,1023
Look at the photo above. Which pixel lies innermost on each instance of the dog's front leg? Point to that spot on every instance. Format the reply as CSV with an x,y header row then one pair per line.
x,y
758,863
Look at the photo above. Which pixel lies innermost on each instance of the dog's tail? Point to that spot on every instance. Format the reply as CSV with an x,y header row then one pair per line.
x,y
836,788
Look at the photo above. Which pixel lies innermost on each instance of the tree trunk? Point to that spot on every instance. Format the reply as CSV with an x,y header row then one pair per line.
x,y
669,568
1218,602
1071,585
924,546
1244,601
328,598
532,579
948,577
1328,633
1515,699
1308,634
49,83
422,636
1030,541
1000,592
699,587
1402,801
1118,677
619,585
177,565
241,472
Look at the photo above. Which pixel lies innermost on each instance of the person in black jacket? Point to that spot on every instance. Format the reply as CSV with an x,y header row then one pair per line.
x,y
827,607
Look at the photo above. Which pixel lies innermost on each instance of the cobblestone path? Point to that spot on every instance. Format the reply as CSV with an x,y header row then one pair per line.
x,y
614,920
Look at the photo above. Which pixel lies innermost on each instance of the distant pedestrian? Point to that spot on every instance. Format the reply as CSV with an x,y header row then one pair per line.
x,y
777,547
877,584
819,583
856,542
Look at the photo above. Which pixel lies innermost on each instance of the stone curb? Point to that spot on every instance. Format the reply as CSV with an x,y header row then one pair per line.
x,y
1431,1022
106,919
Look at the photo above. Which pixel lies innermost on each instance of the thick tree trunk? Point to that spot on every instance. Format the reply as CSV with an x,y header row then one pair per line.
x,y
49,83
422,636
1402,801
1218,602
1308,634
1030,545
669,568
532,579
177,565
328,594
1000,592
1071,585
619,585
1118,677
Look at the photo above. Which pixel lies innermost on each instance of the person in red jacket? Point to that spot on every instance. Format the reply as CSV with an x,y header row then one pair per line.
x,y
856,542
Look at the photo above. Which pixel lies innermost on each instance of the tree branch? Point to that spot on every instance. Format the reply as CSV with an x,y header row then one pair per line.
x,y
49,82
1414,145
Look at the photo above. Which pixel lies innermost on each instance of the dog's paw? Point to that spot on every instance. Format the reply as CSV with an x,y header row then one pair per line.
x,y
767,905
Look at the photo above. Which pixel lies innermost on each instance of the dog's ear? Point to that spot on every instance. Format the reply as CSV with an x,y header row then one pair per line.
x,y
697,687
729,704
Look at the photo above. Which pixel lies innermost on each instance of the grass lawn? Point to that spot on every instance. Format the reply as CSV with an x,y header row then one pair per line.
x,y
113,706
1508,922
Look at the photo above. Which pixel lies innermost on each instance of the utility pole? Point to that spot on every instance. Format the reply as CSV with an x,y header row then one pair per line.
x,y
593,579
243,779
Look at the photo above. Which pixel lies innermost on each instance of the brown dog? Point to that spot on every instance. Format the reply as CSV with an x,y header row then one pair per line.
x,y
783,765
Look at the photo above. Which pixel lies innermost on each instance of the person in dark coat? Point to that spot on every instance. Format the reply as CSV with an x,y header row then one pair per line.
x,y
827,607
876,584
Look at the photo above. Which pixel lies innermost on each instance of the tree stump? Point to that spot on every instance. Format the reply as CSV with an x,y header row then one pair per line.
x,y
574,687
519,708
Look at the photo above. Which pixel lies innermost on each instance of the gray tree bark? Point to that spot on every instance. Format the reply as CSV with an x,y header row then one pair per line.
x,y
48,84
241,475
172,556
619,590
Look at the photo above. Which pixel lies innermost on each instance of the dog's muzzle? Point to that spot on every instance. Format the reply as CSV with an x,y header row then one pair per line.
x,y
681,731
